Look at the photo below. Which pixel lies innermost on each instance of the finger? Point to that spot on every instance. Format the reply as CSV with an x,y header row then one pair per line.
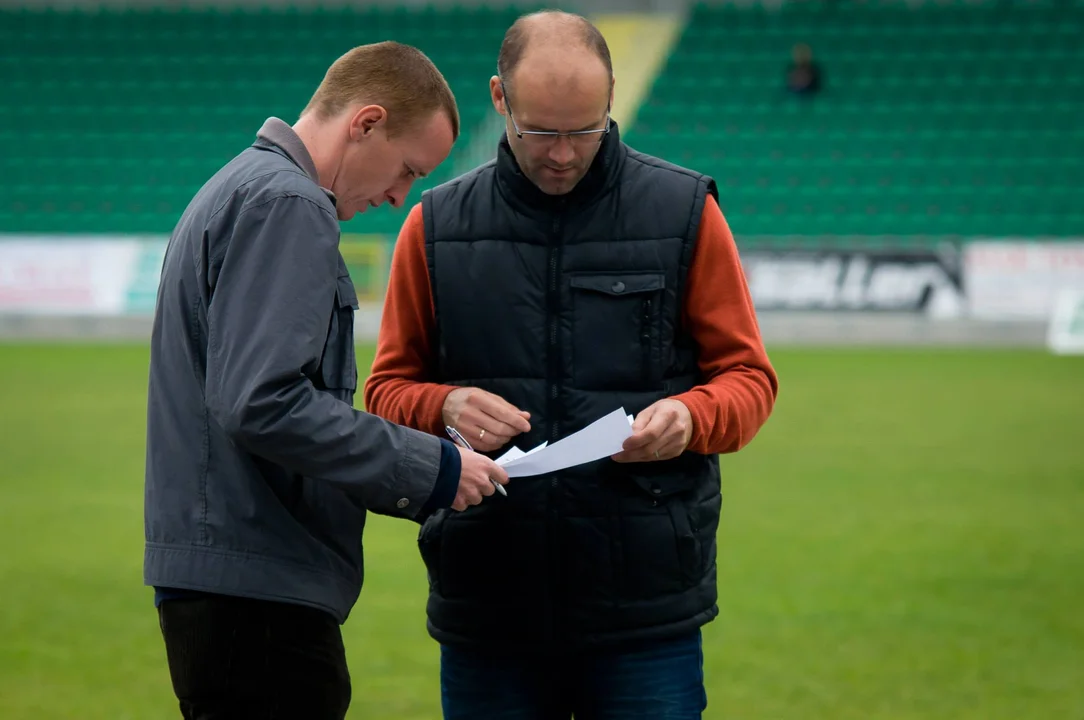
x,y
459,504
665,449
487,441
474,420
480,472
648,435
668,447
472,495
493,426
509,419
472,426
643,418
485,487
496,472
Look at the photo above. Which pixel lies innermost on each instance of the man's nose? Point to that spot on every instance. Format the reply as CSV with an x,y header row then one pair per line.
x,y
562,153
396,195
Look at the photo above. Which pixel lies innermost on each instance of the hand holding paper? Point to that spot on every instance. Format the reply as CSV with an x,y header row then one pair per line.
x,y
662,431
602,438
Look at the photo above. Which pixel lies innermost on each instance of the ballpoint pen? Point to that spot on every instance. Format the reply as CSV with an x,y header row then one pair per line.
x,y
458,438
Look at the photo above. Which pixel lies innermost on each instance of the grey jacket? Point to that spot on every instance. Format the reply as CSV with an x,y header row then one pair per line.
x,y
259,471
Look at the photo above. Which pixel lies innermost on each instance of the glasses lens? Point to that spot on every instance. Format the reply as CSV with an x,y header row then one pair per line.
x,y
579,139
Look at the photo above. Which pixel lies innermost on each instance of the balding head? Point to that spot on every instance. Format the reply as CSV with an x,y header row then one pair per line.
x,y
555,87
556,39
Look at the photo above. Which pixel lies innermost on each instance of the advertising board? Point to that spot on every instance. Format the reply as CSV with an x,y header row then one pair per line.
x,y
862,279
103,275
1065,334
65,275
1019,279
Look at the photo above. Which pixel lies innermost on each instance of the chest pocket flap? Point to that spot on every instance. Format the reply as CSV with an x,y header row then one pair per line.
x,y
620,284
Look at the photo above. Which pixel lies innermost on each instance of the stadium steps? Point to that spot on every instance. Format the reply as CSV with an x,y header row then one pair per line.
x,y
639,45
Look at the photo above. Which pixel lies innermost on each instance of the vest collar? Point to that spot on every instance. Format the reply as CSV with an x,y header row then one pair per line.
x,y
520,191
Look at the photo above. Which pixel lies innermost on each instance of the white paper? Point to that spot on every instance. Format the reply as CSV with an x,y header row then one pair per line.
x,y
602,438
515,454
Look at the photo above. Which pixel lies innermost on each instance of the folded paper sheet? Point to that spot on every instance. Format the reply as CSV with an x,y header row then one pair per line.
x,y
600,439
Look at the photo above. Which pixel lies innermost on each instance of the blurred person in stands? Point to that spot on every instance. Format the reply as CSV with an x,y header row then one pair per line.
x,y
259,470
803,73
567,278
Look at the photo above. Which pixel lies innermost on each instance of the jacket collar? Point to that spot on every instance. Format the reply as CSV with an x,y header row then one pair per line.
x,y
520,191
278,135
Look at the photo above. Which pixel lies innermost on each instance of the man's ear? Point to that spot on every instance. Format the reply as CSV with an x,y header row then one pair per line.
x,y
496,94
366,120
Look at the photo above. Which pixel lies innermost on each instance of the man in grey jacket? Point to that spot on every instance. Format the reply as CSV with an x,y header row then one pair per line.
x,y
259,469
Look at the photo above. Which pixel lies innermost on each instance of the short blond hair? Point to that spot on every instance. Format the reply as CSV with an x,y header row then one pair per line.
x,y
400,78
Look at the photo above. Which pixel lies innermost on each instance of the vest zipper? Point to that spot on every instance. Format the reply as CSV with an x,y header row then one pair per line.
x,y
552,349
554,413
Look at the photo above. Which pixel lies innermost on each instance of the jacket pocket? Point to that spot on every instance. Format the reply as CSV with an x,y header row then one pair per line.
x,y
492,559
339,367
429,547
616,328
663,545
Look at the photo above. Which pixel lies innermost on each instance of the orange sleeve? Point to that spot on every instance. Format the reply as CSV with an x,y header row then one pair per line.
x,y
740,386
399,388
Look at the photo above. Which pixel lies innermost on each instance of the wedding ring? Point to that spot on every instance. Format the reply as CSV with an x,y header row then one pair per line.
x,y
657,455
481,433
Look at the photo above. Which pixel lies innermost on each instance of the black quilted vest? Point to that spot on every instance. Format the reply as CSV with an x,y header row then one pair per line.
x,y
570,307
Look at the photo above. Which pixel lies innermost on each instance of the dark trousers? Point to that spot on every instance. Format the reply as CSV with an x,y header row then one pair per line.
x,y
240,659
661,681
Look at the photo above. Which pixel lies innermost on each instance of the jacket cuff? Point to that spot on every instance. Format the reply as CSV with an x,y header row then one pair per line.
x,y
447,484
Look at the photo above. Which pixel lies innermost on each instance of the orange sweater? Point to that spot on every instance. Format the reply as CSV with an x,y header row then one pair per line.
x,y
740,385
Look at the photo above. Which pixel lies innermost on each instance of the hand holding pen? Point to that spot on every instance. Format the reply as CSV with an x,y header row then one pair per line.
x,y
461,441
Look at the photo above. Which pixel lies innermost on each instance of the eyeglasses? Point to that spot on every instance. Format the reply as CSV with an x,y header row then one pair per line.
x,y
582,138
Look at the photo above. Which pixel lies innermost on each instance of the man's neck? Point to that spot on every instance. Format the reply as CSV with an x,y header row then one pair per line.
x,y
310,131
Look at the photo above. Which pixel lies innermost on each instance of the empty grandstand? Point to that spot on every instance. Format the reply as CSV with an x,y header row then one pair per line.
x,y
934,120
937,120
114,118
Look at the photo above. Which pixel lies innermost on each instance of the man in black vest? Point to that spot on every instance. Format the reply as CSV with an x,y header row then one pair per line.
x,y
570,277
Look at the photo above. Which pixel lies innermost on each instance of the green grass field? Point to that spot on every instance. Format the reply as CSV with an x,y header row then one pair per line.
x,y
904,540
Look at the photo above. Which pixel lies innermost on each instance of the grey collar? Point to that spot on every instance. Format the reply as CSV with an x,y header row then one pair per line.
x,y
278,132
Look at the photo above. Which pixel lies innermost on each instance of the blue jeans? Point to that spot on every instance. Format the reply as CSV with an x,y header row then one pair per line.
x,y
661,681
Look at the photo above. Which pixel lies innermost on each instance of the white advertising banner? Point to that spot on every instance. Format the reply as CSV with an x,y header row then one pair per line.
x,y
1018,279
66,275
1065,335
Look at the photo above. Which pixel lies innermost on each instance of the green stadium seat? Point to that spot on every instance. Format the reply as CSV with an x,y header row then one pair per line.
x,y
132,110
936,120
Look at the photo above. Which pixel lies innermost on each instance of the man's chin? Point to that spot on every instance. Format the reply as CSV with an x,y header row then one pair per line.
x,y
552,186
348,213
